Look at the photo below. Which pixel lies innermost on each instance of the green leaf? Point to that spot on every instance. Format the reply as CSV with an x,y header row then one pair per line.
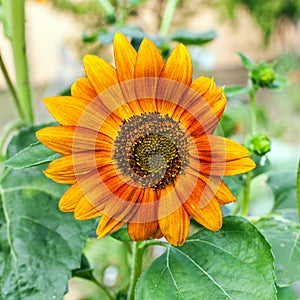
x,y
122,235
284,237
235,90
246,61
233,263
283,185
193,38
41,245
33,155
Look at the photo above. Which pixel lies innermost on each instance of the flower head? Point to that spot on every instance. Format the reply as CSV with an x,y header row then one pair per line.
x,y
137,145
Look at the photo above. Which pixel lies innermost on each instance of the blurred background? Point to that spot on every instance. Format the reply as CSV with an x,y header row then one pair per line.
x,y
61,32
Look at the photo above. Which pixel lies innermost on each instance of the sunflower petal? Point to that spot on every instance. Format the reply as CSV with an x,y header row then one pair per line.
x,y
210,216
176,226
175,79
125,57
70,198
148,66
221,156
142,231
82,88
100,73
86,210
173,219
66,169
69,139
107,225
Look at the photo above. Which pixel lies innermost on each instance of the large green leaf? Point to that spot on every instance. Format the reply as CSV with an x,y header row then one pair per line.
x,y
233,263
39,244
284,237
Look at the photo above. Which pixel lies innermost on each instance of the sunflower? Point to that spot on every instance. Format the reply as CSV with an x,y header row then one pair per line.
x,y
137,145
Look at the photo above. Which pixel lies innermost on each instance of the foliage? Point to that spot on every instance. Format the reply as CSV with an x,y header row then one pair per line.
x,y
268,14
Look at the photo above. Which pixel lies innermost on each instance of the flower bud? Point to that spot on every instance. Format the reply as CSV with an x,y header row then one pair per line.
x,y
259,144
262,75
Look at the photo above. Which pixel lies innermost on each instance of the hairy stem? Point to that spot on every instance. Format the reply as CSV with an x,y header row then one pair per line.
x,y
247,195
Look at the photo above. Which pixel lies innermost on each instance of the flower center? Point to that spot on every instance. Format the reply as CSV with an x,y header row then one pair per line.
x,y
151,149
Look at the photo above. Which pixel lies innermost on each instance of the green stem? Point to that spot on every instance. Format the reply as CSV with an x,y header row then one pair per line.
x,y
136,267
11,88
247,195
102,287
17,15
236,208
8,129
253,111
298,190
167,18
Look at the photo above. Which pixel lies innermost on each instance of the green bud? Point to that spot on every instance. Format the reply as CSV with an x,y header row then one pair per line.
x,y
259,144
262,75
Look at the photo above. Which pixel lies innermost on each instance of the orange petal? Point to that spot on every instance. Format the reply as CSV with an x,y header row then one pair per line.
x,y
72,111
107,225
70,198
176,76
82,88
221,156
173,219
86,210
142,231
100,73
209,216
123,206
176,226
125,57
66,169
178,66
148,66
69,139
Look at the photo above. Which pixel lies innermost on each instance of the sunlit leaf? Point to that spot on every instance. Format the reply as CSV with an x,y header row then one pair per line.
x,y
233,263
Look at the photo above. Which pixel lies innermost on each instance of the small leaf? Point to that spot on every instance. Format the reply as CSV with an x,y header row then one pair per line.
x,y
246,61
121,235
235,90
193,38
233,263
284,237
33,155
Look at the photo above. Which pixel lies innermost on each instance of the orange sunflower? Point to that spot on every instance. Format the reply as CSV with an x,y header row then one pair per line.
x,y
137,145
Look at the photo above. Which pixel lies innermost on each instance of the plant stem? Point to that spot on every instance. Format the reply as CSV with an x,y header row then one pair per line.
x,y
236,208
136,267
17,14
253,111
247,195
298,190
11,88
167,18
